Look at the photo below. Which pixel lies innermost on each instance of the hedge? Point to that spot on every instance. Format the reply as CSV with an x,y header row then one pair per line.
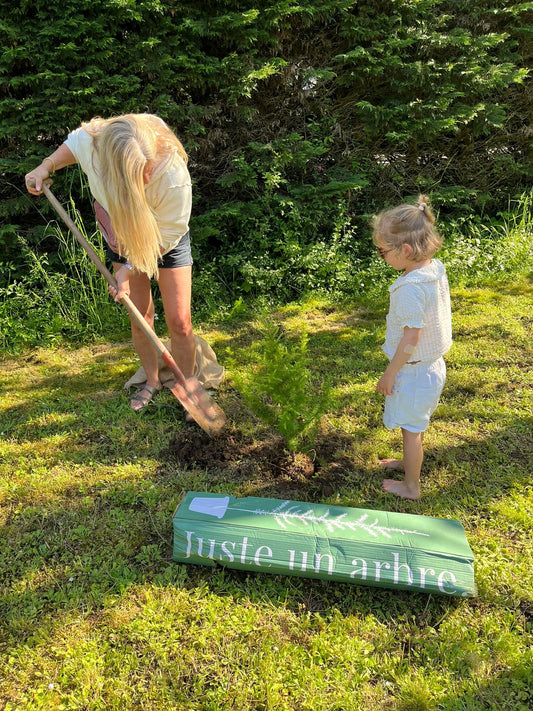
x,y
301,119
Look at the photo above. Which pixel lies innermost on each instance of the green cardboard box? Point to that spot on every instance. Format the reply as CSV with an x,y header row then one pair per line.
x,y
358,546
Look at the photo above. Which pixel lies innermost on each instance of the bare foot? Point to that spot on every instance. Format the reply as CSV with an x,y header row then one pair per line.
x,y
400,488
391,464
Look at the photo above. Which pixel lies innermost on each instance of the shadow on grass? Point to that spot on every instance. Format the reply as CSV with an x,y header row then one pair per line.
x,y
92,541
76,548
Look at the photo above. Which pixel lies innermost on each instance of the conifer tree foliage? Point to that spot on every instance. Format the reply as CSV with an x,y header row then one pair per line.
x,y
300,118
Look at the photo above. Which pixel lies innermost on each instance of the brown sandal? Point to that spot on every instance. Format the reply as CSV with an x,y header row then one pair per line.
x,y
144,400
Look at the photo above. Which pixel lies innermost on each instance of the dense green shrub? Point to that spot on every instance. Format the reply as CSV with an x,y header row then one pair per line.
x,y
301,119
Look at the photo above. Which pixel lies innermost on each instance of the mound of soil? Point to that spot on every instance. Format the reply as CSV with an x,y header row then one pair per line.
x,y
240,457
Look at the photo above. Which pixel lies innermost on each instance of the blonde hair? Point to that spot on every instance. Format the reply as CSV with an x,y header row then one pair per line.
x,y
124,145
409,224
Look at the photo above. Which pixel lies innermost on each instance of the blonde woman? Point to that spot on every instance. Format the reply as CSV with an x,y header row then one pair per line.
x,y
418,334
137,173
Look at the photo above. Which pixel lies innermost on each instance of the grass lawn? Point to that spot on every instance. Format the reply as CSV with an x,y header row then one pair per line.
x,y
95,615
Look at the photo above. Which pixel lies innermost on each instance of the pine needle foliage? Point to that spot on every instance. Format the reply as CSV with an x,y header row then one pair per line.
x,y
281,388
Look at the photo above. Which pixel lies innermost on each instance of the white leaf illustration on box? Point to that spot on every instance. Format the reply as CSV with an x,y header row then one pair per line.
x,y
286,516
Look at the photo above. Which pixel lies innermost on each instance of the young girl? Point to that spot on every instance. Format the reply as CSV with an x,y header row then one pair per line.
x,y
418,334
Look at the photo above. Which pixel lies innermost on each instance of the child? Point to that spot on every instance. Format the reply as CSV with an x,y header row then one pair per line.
x,y
418,334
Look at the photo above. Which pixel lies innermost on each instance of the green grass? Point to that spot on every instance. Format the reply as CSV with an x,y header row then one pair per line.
x,y
95,615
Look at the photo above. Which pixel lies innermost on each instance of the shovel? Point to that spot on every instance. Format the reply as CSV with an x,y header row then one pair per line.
x,y
196,401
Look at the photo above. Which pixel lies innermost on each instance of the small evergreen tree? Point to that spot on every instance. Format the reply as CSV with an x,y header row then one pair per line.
x,y
280,388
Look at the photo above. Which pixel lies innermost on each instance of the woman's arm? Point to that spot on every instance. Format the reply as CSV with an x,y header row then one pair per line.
x,y
60,158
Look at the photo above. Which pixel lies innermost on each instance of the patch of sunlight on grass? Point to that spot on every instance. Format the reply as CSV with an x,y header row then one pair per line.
x,y
31,452
516,508
99,617
503,569
52,419
35,480
349,388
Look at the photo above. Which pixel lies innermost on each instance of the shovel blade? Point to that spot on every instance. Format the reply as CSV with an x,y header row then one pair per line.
x,y
200,406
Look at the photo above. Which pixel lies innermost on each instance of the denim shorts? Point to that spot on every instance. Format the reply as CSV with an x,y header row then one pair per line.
x,y
415,395
179,256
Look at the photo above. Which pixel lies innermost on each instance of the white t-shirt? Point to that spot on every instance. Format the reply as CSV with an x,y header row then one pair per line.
x,y
168,192
421,299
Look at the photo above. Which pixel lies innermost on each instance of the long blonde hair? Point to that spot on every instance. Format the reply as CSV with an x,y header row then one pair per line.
x,y
124,145
409,224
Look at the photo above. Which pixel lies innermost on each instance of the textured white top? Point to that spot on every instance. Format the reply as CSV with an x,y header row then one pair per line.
x,y
168,192
421,299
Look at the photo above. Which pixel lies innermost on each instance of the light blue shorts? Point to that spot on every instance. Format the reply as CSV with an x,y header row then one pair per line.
x,y
415,396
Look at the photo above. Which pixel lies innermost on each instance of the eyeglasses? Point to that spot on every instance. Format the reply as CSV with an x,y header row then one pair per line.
x,y
383,252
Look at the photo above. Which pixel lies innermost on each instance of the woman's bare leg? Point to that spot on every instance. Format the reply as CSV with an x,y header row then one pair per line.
x,y
175,287
141,295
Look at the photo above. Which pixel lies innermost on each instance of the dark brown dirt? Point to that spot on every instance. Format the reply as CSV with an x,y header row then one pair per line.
x,y
240,457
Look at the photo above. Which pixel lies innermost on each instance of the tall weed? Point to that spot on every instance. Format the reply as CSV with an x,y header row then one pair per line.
x,y
47,305
477,253
50,306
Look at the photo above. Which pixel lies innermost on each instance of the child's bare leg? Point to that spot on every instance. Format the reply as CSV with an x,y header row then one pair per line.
x,y
391,464
413,455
